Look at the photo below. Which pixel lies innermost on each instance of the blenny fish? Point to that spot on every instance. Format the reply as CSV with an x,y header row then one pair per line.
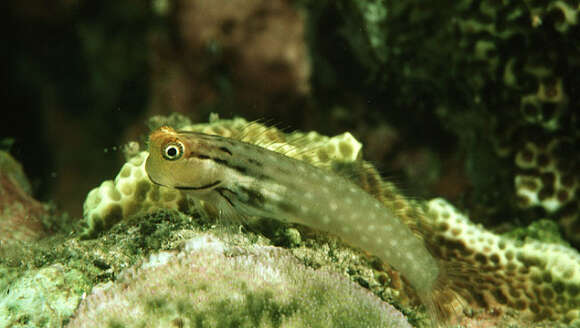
x,y
244,180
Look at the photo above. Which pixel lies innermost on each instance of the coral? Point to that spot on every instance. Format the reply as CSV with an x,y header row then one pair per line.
x,y
21,216
546,179
44,297
549,178
132,192
515,66
492,272
213,284
539,279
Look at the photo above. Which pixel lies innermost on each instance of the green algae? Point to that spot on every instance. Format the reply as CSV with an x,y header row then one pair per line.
x,y
543,230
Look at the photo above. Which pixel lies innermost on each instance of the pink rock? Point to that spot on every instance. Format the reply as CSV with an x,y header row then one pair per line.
x,y
20,214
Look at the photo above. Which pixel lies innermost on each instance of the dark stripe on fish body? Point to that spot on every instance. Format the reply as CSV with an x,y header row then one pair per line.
x,y
220,161
207,186
255,198
287,207
225,150
241,169
255,162
222,191
198,155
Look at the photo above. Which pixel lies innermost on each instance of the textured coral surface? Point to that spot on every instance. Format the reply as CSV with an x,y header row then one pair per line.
x,y
538,279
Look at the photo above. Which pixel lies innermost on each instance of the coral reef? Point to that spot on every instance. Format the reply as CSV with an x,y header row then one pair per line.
x,y
213,284
537,278
511,281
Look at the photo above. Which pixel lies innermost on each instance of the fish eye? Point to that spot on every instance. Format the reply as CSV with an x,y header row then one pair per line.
x,y
173,151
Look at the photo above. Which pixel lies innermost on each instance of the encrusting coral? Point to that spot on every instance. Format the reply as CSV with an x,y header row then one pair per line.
x,y
539,279
130,193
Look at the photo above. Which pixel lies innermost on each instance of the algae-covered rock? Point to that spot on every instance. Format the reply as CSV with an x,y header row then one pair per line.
x,y
46,297
211,284
21,216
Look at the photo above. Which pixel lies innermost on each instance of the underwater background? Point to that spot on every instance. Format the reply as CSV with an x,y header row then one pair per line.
x,y
475,102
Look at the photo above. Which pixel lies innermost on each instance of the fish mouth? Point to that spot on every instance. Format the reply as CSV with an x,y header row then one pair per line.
x,y
155,182
207,186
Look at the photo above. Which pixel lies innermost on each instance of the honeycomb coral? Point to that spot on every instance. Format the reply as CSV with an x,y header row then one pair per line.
x,y
548,178
544,181
541,280
132,192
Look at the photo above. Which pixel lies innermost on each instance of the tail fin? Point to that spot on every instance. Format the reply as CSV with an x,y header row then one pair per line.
x,y
444,301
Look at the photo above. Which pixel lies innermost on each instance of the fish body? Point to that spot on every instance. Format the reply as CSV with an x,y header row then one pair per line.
x,y
241,179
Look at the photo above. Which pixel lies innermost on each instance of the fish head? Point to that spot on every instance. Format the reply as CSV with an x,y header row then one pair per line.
x,y
182,160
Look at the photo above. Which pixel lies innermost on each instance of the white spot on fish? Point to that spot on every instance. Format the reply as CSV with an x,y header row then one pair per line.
x,y
371,227
326,219
308,195
393,243
333,206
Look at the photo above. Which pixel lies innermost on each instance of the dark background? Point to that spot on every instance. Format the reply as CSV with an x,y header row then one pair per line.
x,y
444,97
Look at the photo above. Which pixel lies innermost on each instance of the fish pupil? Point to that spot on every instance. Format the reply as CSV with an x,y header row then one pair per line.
x,y
173,151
